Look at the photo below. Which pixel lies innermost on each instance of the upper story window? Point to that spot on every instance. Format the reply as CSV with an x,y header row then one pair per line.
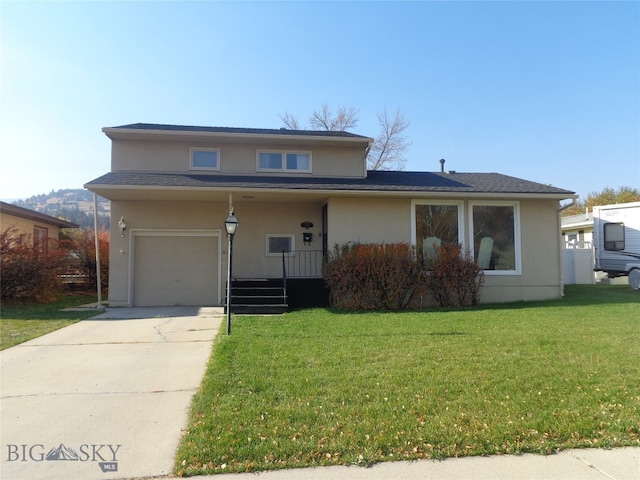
x,y
276,161
205,159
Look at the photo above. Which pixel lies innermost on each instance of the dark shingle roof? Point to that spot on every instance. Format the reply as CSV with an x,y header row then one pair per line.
x,y
376,181
240,131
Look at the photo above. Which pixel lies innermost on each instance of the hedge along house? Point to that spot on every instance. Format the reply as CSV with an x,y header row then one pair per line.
x,y
296,194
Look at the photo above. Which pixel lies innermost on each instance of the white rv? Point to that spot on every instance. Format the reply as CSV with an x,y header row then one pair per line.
x,y
616,241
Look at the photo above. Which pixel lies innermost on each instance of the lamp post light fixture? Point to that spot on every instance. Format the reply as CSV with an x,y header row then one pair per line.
x,y
231,225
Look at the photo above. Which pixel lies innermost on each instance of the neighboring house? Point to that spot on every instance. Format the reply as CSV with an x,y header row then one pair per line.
x,y
35,227
577,230
577,253
302,192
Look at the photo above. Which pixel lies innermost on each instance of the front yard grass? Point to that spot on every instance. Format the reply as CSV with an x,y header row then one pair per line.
x,y
20,322
322,387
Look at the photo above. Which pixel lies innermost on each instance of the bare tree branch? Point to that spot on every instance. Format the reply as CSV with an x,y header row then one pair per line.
x,y
290,121
387,151
389,147
343,120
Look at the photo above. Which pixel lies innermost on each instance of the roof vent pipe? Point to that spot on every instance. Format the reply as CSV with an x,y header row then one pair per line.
x,y
442,165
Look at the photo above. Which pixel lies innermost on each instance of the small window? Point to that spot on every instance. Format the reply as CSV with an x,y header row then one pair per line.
x,y
298,161
279,244
614,236
41,239
270,161
205,159
284,161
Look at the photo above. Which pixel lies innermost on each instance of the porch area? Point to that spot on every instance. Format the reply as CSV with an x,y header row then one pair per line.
x,y
300,286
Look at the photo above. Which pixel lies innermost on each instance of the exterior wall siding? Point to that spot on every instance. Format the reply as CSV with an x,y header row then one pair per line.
x,y
235,159
24,226
367,220
373,220
249,247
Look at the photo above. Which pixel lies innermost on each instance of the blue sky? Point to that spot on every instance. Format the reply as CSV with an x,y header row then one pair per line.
x,y
547,91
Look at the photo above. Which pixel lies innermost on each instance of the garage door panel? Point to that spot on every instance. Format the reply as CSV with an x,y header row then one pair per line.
x,y
175,270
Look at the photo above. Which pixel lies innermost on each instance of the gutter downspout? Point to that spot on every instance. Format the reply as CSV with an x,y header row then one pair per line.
x,y
97,240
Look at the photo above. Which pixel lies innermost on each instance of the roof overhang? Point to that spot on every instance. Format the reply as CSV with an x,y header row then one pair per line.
x,y
254,194
120,133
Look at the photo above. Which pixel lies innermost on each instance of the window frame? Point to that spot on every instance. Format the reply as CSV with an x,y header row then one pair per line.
x,y
192,150
457,203
618,245
517,240
283,156
290,236
41,238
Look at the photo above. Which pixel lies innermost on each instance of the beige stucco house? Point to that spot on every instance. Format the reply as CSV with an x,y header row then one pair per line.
x,y
34,227
296,194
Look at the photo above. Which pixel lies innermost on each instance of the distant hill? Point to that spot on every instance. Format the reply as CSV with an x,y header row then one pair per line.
x,y
73,205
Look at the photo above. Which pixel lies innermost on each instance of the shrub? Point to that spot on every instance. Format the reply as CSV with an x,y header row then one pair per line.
x,y
29,271
454,279
373,276
81,247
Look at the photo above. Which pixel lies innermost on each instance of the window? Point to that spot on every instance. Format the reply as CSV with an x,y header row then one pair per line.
x,y
434,225
284,161
40,239
614,236
205,159
495,237
279,244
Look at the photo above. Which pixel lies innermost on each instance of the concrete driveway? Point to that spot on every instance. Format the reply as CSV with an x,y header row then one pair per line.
x,y
103,398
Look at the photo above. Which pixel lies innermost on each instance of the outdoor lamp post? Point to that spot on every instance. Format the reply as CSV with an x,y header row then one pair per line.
x,y
231,225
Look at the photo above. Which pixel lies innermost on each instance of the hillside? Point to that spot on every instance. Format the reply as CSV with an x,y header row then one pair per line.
x,y
74,205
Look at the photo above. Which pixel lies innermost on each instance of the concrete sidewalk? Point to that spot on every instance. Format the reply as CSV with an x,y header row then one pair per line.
x,y
587,464
103,398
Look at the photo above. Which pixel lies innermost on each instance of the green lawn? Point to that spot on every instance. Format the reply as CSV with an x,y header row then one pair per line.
x,y
23,321
320,387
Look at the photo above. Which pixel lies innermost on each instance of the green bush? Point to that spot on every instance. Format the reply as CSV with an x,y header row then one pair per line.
x,y
454,278
374,276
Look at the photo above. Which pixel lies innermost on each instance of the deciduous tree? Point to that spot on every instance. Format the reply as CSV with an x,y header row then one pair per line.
x,y
389,147
607,196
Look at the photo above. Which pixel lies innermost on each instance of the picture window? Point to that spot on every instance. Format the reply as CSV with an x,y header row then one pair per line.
x,y
495,237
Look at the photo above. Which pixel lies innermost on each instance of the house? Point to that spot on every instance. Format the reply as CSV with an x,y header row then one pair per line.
x,y
577,230
296,194
577,252
34,227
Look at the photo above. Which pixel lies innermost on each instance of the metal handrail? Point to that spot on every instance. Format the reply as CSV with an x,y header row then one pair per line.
x,y
284,277
303,264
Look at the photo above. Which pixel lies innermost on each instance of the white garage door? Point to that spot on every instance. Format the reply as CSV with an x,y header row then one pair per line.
x,y
175,270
